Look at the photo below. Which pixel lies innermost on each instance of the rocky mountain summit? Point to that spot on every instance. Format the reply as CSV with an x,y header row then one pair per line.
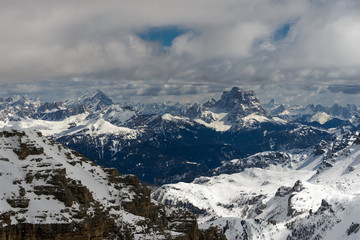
x,y
48,191
234,110
93,100
244,102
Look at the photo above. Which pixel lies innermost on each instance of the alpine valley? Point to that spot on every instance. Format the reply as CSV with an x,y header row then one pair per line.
x,y
236,167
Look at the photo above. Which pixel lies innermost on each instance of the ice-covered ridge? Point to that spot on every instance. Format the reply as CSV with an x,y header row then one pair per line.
x,y
71,125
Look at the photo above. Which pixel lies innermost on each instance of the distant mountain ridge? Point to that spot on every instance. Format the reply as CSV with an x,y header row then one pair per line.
x,y
313,113
165,148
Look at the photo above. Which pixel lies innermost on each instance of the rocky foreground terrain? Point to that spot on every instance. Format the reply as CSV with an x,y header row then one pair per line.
x,y
48,191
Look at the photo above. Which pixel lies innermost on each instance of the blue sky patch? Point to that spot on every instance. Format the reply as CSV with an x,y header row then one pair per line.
x,y
282,32
164,35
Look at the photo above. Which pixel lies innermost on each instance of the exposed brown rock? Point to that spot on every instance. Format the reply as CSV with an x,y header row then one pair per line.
x,y
65,190
18,202
96,228
25,150
212,233
102,221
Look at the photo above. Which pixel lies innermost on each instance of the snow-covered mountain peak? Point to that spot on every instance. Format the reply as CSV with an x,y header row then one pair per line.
x,y
321,117
235,109
94,100
94,93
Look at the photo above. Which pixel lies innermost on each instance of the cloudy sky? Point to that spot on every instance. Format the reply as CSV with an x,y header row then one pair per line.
x,y
293,51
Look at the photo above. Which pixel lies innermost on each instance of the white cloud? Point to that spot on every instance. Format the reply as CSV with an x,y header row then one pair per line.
x,y
228,43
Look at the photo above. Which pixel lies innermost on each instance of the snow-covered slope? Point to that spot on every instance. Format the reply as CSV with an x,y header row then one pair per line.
x,y
50,192
317,198
71,125
321,117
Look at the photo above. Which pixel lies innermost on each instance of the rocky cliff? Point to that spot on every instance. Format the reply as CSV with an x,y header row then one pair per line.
x,y
50,192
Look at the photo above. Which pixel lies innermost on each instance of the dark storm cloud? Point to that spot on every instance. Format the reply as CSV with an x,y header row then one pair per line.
x,y
347,89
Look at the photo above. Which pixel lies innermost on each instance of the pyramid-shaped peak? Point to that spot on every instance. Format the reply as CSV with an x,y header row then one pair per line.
x,y
94,93
94,100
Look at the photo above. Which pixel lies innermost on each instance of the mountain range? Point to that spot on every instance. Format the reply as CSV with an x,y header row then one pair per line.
x,y
316,115
228,168
165,148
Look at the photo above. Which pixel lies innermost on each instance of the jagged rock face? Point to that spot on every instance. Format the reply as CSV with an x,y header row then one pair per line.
x,y
321,148
236,103
278,110
194,111
50,192
240,102
339,147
